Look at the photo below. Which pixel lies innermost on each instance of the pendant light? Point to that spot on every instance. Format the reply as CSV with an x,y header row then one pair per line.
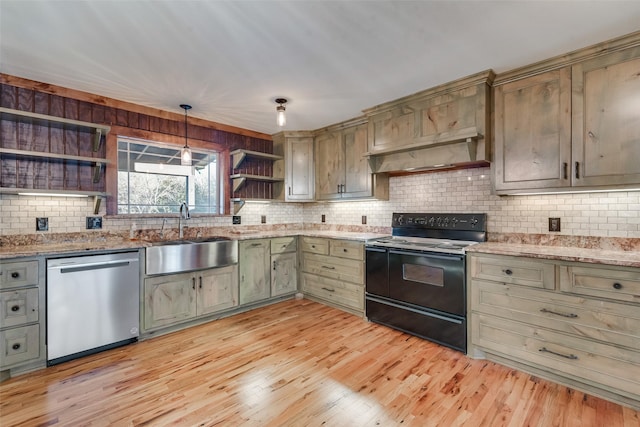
x,y
185,156
281,119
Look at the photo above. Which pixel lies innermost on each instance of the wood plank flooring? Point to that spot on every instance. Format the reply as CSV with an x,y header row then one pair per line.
x,y
295,363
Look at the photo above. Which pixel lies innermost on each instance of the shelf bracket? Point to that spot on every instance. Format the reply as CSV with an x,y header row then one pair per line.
x,y
238,182
237,205
97,172
96,204
97,139
238,158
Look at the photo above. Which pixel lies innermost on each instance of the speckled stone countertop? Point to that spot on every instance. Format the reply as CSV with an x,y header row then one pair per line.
x,y
96,243
607,251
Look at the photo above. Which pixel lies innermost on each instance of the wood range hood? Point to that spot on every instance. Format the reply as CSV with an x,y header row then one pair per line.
x,y
445,127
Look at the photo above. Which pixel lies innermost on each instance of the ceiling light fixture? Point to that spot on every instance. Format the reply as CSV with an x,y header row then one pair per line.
x,y
281,119
185,156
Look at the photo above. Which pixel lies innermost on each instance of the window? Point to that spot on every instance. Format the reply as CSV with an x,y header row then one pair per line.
x,y
151,179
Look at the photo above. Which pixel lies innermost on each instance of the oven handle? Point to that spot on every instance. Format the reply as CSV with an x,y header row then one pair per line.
x,y
374,249
427,255
404,307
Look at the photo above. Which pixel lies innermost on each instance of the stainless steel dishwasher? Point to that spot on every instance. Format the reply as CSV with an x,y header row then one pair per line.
x,y
93,304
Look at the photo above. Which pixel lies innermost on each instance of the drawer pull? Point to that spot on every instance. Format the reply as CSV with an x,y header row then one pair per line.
x,y
15,308
329,290
570,315
570,356
256,244
15,275
508,272
617,286
328,267
313,246
16,346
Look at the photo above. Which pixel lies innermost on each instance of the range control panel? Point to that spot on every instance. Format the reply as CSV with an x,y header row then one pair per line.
x,y
440,221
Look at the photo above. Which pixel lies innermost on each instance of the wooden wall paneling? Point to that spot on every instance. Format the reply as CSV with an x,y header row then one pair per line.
x,y
122,118
56,144
111,173
133,119
8,96
98,114
41,103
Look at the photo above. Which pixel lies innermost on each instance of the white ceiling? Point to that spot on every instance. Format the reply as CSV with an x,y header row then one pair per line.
x,y
331,59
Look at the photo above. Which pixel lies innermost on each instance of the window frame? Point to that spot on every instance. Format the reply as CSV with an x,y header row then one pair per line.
x,y
118,132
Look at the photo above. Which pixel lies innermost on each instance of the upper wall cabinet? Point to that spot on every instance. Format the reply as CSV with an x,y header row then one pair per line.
x,y
342,169
296,166
443,126
533,132
570,123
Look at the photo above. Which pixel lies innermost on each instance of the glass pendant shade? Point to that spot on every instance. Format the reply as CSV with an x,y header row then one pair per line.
x,y
281,119
185,155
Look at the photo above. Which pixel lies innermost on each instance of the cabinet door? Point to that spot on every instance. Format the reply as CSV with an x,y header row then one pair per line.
x,y
358,176
329,166
284,274
255,274
18,307
606,119
533,132
299,170
392,129
169,299
217,289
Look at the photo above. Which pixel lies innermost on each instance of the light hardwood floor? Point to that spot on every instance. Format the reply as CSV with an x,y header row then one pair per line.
x,y
295,363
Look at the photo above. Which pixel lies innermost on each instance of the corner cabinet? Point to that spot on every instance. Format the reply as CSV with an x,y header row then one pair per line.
x,y
342,169
575,323
268,268
573,127
295,165
48,154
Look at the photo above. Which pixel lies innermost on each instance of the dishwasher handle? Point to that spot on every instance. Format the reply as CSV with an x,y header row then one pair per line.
x,y
94,266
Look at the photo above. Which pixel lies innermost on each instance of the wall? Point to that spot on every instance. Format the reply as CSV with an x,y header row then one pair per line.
x,y
611,214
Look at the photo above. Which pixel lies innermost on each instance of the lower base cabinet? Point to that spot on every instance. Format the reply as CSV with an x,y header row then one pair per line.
x,y
333,273
177,298
577,325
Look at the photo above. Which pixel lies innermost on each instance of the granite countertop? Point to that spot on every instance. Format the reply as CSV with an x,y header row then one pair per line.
x,y
117,244
624,258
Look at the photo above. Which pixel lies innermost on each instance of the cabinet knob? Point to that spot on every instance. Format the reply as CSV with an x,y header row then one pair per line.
x,y
16,346
344,250
617,286
15,274
15,308
508,272
274,265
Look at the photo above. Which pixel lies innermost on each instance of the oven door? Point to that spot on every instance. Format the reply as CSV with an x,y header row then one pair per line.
x,y
434,281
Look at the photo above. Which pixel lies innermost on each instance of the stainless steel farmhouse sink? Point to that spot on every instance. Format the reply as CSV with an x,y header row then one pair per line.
x,y
177,256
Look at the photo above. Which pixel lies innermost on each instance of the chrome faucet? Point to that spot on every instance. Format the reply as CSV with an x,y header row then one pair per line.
x,y
164,222
184,214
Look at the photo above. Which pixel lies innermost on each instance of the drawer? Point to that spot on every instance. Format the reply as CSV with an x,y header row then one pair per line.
x,y
335,268
513,270
347,249
615,283
284,244
610,322
616,369
14,274
345,294
18,307
19,345
315,245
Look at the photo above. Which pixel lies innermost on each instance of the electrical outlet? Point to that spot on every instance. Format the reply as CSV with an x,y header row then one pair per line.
x,y
42,224
554,224
236,219
94,223
364,219
323,218
263,219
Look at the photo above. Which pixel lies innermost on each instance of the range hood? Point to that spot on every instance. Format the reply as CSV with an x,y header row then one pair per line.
x,y
440,128
459,152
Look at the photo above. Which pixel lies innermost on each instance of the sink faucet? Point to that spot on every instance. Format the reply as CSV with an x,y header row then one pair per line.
x,y
164,222
184,214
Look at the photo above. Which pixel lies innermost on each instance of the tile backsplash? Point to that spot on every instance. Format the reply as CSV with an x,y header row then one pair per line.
x,y
609,214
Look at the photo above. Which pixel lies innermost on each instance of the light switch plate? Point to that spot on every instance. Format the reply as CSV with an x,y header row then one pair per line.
x,y
94,223
42,224
554,224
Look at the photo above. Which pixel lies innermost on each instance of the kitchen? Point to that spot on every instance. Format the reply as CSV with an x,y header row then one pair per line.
x,y
586,218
